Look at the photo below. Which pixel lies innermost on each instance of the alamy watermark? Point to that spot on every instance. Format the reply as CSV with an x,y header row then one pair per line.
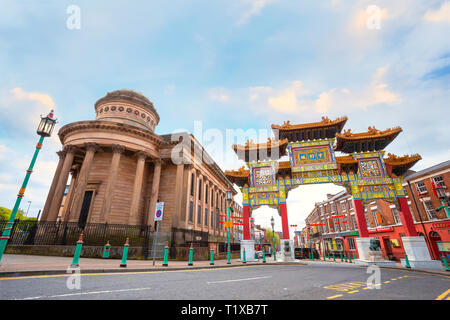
x,y
73,22
73,282
220,143
373,22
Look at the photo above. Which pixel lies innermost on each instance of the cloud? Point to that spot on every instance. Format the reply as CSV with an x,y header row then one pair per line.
x,y
440,15
297,98
345,100
252,8
40,98
23,109
287,102
3,150
219,94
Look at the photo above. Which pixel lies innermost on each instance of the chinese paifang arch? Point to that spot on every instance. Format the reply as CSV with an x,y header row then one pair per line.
x,y
364,171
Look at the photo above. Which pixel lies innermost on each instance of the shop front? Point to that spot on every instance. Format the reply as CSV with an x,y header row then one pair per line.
x,y
350,242
334,244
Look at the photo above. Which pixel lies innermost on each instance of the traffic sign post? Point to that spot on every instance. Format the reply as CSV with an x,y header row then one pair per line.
x,y
159,214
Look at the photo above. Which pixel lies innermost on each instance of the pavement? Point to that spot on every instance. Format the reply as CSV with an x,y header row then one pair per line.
x,y
23,265
30,265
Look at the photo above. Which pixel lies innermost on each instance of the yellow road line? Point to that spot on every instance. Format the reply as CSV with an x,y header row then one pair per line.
x,y
387,282
353,291
114,273
336,296
394,279
442,296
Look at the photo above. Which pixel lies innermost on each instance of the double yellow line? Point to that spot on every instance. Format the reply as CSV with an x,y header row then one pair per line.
x,y
444,296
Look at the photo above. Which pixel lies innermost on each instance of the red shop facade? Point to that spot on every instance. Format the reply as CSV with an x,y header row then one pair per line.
x,y
391,239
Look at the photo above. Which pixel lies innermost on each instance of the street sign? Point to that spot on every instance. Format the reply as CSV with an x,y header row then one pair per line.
x,y
159,211
228,224
443,246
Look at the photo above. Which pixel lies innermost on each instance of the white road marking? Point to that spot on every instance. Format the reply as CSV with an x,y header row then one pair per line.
x,y
84,293
235,280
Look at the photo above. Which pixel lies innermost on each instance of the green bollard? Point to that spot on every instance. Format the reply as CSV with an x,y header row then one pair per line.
x,y
334,258
264,257
345,258
166,255
324,257
407,262
349,258
444,259
354,257
123,263
106,250
244,260
76,256
211,261
191,255
342,260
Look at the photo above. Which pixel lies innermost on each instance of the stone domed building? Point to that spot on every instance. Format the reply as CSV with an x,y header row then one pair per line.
x,y
120,168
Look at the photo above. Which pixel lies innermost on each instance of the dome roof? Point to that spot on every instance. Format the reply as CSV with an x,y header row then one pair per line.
x,y
130,96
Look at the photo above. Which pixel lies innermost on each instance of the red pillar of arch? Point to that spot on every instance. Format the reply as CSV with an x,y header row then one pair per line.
x,y
406,218
246,221
284,220
360,218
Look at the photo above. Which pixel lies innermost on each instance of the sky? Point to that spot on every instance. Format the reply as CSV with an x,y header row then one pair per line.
x,y
212,67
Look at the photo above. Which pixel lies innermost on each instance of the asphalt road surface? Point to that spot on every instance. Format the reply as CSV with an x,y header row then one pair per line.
x,y
271,282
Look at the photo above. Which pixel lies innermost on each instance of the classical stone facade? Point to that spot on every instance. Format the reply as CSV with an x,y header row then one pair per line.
x,y
120,168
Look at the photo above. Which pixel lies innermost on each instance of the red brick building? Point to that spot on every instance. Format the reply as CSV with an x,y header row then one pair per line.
x,y
333,227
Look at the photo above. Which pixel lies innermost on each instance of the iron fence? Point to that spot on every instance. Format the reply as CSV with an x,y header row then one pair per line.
x,y
97,234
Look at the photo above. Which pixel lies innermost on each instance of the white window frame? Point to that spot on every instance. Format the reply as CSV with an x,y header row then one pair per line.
x,y
396,215
375,218
439,181
351,244
421,187
430,213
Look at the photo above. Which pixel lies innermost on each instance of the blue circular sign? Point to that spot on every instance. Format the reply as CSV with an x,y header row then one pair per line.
x,y
158,213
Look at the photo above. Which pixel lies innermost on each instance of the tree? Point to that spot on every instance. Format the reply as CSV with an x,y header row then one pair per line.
x,y
269,236
6,213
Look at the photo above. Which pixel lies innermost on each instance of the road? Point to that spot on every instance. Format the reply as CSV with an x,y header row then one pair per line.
x,y
271,282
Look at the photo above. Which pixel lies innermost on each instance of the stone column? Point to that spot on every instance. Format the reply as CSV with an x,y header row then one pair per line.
x,y
51,192
58,195
188,195
178,194
112,177
155,192
82,179
137,188
69,197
